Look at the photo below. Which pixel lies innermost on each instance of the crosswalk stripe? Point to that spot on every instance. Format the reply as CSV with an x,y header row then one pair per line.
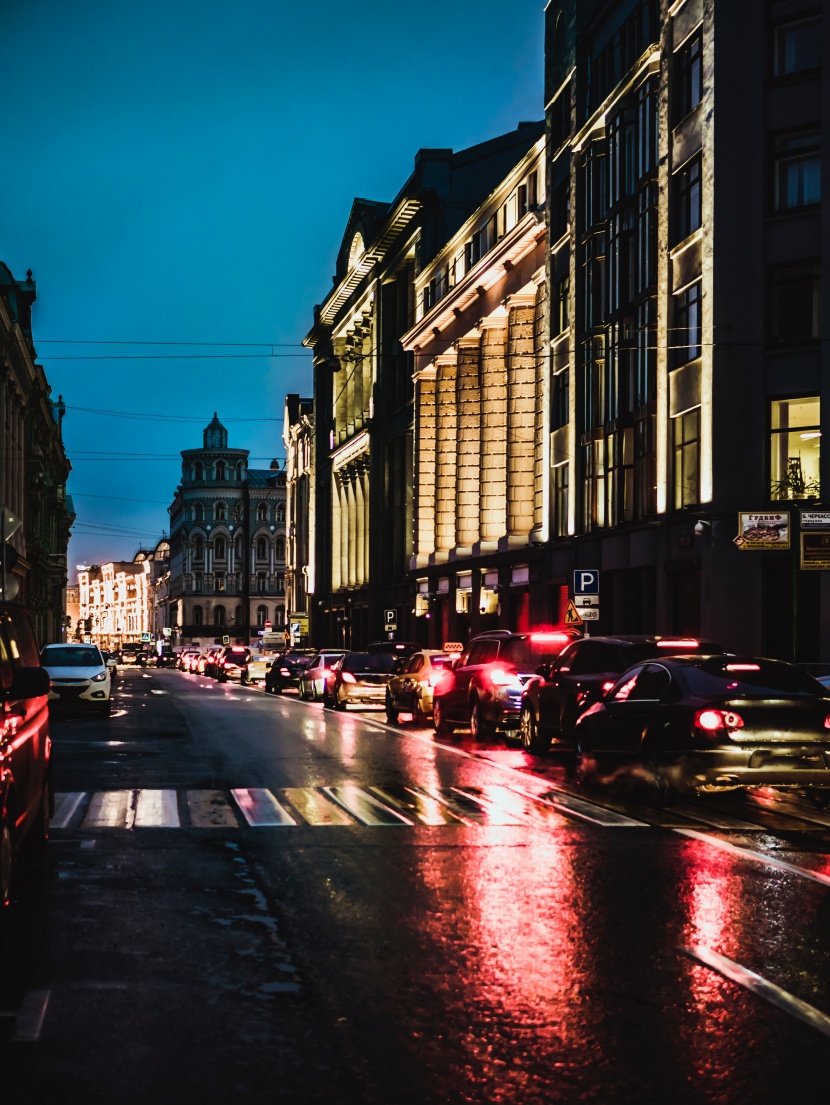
x,y
471,802
427,809
209,809
365,807
314,808
260,807
157,809
110,809
523,806
65,808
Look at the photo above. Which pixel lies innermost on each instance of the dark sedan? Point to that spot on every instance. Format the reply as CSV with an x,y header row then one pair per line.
x,y
286,670
712,723
554,697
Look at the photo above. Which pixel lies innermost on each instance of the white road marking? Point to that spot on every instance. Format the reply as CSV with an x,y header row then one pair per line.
x,y
755,857
577,807
760,986
154,691
65,807
146,677
260,807
157,809
315,808
366,808
110,809
30,1016
717,820
210,810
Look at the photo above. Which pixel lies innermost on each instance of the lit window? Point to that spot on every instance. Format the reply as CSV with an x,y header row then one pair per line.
x,y
795,448
796,171
796,47
686,448
219,580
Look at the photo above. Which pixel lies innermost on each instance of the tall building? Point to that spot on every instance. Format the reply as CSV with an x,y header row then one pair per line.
x,y
227,545
298,439
363,389
114,602
36,513
688,234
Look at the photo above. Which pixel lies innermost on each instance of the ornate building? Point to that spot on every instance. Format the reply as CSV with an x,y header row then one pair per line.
x,y
298,438
114,602
35,510
227,544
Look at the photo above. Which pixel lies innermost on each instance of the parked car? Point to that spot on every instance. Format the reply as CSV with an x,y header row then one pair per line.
x,y
312,681
711,723
286,670
258,667
79,677
231,663
131,654
411,687
185,656
553,698
485,690
361,678
26,795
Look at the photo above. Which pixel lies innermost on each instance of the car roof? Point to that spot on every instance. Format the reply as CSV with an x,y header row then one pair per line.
x,y
649,639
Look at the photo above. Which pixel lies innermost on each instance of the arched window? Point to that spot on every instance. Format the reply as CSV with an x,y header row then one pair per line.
x,y
279,618
219,615
197,615
221,470
280,549
240,547
261,548
239,470
199,549
220,512
199,512
261,581
220,548
281,513
262,512
198,470
261,616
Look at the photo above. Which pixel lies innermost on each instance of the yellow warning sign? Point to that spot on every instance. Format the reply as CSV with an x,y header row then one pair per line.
x,y
572,615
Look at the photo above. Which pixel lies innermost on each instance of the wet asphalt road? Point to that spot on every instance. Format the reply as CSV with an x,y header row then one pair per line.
x,y
497,936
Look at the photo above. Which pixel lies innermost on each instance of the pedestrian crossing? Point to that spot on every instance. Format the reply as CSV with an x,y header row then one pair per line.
x,y
398,806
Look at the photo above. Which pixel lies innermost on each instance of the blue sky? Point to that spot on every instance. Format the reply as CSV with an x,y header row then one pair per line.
x,y
181,171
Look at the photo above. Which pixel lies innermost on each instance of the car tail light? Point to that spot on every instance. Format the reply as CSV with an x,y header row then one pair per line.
x,y
742,667
325,673
501,677
551,638
712,720
606,687
679,643
284,671
348,677
439,678
827,722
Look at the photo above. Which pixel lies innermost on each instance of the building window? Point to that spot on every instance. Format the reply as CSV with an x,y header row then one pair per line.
x,y
199,512
280,584
560,413
796,171
261,616
261,548
261,581
197,582
795,448
239,470
198,615
219,580
199,470
280,549
794,303
561,298
281,513
220,548
687,200
219,615
560,499
279,616
796,47
647,128
220,512
199,549
645,464
687,325
262,512
688,77
221,470
686,449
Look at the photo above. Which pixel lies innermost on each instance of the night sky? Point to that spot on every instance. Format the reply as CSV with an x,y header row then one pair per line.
x,y
182,172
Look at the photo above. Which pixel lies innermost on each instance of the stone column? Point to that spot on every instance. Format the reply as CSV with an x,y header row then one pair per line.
x,y
468,442
521,407
336,533
425,467
493,427
360,525
541,429
351,544
366,517
445,454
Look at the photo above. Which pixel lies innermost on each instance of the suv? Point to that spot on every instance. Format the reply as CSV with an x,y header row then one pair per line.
x,y
287,668
553,699
485,690
26,797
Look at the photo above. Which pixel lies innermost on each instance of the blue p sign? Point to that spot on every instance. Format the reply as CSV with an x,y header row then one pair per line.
x,y
586,581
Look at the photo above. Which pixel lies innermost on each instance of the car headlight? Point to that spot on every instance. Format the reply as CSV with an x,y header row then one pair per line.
x,y
100,677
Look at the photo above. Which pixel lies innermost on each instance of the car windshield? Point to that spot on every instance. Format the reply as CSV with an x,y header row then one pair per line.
x,y
757,678
59,656
369,662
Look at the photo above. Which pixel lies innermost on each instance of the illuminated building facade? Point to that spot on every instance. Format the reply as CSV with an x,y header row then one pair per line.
x,y
227,545
363,389
298,439
481,372
687,235
114,603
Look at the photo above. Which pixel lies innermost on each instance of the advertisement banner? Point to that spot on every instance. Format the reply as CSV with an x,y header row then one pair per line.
x,y
815,551
763,531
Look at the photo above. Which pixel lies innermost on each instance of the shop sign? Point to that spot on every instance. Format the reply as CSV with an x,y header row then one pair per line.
x,y
815,551
763,531
815,519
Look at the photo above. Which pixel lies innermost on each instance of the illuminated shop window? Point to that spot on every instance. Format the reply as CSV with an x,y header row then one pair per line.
x,y
686,456
795,448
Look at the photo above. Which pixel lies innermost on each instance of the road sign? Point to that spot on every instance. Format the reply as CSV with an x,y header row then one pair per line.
x,y
586,602
167,631
590,615
267,625
572,616
390,617
586,581
226,639
146,636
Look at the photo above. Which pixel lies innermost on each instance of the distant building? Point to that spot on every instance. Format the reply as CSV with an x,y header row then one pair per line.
x,y
114,603
227,545
298,438
35,511
689,322
73,612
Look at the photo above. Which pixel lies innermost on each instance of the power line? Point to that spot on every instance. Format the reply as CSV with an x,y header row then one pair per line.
x,y
163,417
213,344
115,498
176,357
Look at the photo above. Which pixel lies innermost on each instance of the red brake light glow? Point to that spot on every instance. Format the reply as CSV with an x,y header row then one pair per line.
x,y
712,720
742,667
827,722
436,678
681,643
606,687
501,677
557,638
348,677
325,673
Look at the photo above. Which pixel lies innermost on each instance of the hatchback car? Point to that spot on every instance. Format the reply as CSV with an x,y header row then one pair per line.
x,y
553,698
361,678
231,663
26,796
410,690
285,672
711,723
79,676
312,682
485,690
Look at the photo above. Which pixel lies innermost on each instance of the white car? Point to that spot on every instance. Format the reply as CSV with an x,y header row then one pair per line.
x,y
79,676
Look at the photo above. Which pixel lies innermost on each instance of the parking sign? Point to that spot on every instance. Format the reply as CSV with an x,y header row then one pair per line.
x,y
586,581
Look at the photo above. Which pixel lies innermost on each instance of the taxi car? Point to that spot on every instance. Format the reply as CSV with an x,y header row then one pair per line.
x,y
79,676
410,690
258,667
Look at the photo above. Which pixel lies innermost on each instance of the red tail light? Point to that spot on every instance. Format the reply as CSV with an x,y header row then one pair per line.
x,y
439,679
710,721
678,643
606,687
325,673
550,638
348,677
501,677
827,722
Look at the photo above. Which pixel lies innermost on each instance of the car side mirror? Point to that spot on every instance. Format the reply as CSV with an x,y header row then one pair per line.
x,y
30,682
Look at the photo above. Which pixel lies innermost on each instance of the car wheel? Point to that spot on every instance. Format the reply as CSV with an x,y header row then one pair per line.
x,y
244,681
5,864
327,701
819,796
584,768
443,727
391,712
479,727
532,740
276,690
338,703
660,791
